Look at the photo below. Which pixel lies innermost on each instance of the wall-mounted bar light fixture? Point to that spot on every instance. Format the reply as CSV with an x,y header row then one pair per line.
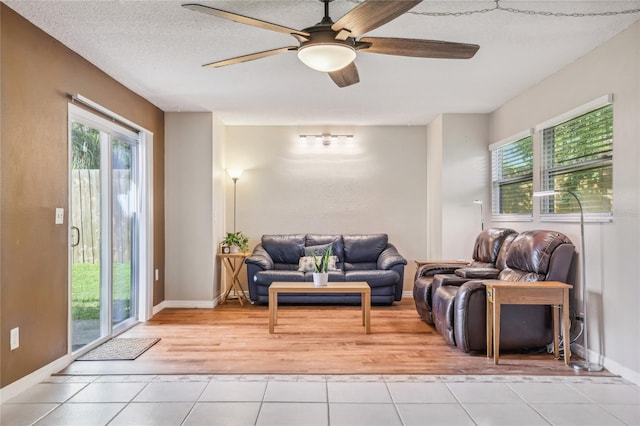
x,y
325,139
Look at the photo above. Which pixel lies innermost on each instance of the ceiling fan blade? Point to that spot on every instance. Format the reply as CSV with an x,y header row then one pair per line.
x,y
250,57
419,48
370,15
246,20
346,76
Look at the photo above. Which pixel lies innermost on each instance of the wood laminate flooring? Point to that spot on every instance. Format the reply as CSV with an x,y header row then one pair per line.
x,y
234,339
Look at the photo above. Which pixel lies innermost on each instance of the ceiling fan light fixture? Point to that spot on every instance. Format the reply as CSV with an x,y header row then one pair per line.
x,y
326,57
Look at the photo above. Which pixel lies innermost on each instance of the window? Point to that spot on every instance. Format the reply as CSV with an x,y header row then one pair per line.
x,y
512,178
577,156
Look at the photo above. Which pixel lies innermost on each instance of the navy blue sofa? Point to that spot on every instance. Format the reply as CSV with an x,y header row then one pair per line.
x,y
367,257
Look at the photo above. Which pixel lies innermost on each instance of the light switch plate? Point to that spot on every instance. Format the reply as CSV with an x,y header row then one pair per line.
x,y
59,216
15,338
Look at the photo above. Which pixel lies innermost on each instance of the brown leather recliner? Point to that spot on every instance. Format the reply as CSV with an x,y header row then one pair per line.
x,y
531,256
485,252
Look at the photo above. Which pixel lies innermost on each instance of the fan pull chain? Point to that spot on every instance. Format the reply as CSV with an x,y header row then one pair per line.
x,y
529,12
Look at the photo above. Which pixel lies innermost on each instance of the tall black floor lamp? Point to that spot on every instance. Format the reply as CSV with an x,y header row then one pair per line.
x,y
578,365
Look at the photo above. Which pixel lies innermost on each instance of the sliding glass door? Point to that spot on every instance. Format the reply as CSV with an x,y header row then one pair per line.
x,y
104,230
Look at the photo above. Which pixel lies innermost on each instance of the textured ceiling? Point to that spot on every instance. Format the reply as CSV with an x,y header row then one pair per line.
x,y
156,48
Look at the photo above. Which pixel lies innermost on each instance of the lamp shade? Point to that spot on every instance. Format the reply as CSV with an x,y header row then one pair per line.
x,y
235,173
326,57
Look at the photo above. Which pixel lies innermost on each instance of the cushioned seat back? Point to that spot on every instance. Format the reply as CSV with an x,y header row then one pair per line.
x,y
529,256
362,251
501,260
487,246
322,240
285,250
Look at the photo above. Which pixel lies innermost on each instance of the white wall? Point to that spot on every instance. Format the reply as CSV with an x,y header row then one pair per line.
x,y
189,248
465,171
612,249
458,169
434,188
375,185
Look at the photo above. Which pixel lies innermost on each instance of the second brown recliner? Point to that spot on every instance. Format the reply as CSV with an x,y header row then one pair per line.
x,y
460,311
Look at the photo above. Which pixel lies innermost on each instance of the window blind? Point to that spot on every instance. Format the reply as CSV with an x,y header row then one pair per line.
x,y
577,156
512,178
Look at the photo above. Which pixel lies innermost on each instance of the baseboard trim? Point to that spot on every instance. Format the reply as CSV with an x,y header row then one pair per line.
x,y
197,304
20,385
610,365
407,294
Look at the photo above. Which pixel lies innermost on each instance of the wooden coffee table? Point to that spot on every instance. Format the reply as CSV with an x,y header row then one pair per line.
x,y
331,287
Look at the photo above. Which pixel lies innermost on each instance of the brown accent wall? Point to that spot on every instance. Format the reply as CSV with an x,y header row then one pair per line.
x,y
37,76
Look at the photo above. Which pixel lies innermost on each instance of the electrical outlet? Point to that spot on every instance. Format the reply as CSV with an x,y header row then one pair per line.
x,y
59,216
157,274
15,338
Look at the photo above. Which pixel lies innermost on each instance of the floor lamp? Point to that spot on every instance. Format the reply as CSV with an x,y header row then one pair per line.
x,y
235,175
481,216
578,365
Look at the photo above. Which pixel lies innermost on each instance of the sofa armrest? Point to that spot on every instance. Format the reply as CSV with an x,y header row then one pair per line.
x,y
390,257
429,269
478,273
260,258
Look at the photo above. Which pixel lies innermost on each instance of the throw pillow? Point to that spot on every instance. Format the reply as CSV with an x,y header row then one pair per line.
x,y
318,250
306,264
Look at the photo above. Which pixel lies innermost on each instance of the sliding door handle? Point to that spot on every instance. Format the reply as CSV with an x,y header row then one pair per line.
x,y
75,236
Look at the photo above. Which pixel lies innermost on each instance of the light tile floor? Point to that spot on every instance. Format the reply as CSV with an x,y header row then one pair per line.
x,y
325,400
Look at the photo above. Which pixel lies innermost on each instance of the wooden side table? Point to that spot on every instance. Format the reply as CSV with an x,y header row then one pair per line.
x,y
233,268
552,293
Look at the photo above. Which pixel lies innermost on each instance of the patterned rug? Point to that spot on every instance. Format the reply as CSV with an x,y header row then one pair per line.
x,y
119,349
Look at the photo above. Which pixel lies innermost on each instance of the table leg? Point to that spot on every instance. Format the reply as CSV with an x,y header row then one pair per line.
x,y
489,319
238,285
566,338
556,331
273,306
366,306
496,328
229,268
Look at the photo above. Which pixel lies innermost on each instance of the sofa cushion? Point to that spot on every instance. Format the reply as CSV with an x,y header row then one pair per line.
x,y
265,278
531,251
323,239
364,248
378,278
488,244
284,248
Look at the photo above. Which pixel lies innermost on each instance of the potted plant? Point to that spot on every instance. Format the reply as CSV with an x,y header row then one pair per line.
x,y
321,268
236,241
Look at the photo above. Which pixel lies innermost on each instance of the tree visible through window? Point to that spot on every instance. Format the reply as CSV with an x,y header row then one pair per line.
x,y
512,178
578,157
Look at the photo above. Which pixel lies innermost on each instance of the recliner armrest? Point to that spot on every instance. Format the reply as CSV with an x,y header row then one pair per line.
x,y
260,258
430,269
390,257
473,273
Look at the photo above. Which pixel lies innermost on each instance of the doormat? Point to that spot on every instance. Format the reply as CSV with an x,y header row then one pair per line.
x,y
119,349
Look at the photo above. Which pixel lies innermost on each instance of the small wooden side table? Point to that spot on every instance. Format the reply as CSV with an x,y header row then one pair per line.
x,y
552,293
233,268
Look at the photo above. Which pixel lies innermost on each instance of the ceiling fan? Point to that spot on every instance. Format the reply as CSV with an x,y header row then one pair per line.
x,y
331,46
